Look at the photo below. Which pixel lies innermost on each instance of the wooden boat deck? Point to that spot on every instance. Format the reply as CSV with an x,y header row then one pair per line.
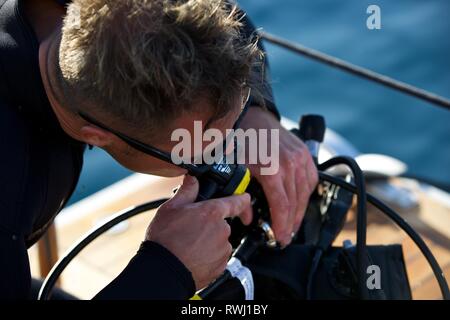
x,y
104,259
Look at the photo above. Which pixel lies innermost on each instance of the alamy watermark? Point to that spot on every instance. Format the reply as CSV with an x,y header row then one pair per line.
x,y
253,146
374,280
374,19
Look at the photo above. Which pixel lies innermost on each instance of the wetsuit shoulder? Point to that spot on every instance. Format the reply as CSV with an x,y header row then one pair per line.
x,y
40,164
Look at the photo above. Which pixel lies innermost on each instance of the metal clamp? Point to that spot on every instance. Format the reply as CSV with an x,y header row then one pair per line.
x,y
270,235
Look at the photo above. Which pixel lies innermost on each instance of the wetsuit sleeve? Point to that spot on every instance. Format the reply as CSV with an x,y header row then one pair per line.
x,y
261,70
15,277
154,273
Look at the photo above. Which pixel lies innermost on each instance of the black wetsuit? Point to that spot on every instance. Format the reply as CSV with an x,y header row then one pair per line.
x,y
39,169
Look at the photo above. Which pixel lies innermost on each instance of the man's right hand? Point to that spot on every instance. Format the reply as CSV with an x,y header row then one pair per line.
x,y
196,232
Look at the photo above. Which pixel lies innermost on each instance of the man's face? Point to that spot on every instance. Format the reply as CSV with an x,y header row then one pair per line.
x,y
140,162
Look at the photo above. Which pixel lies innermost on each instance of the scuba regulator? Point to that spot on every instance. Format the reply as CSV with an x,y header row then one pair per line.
x,y
259,234
223,180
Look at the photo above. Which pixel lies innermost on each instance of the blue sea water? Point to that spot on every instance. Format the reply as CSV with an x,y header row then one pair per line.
x,y
413,45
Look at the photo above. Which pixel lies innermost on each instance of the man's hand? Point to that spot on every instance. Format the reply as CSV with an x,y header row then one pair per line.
x,y
287,191
196,233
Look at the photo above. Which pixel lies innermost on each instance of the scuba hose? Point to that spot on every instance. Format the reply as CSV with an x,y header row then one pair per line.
x,y
361,213
400,222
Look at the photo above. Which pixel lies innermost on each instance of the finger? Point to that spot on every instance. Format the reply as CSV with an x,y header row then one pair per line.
x,y
186,193
279,205
223,231
303,195
247,216
302,203
238,206
228,207
221,263
291,186
312,175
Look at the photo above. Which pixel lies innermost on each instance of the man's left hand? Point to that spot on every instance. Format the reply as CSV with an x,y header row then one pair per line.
x,y
289,189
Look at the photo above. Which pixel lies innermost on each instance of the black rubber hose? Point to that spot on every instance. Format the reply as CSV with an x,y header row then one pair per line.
x,y
440,277
361,229
59,267
361,220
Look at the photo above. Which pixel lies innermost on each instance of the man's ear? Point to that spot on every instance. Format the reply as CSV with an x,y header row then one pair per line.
x,y
96,136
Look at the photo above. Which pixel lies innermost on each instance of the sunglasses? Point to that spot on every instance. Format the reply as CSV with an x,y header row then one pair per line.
x,y
163,155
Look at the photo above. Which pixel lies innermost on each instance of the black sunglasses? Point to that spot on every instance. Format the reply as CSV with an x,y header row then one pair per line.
x,y
163,155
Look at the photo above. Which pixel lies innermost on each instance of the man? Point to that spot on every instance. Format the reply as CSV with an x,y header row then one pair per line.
x,y
143,68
